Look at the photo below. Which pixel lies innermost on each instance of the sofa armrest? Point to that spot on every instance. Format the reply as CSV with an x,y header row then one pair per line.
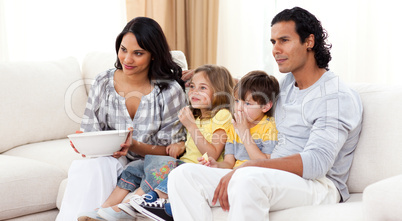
x,y
381,200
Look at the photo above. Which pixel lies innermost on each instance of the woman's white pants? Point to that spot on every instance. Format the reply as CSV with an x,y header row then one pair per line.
x,y
90,182
252,191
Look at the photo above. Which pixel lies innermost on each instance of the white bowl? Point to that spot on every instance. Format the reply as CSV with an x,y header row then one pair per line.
x,y
99,143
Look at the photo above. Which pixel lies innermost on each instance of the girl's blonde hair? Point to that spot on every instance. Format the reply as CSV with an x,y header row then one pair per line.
x,y
222,84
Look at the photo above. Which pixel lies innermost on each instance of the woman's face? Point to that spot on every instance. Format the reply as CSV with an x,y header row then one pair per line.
x,y
134,60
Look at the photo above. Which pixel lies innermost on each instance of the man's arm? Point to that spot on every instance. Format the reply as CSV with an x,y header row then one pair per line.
x,y
292,164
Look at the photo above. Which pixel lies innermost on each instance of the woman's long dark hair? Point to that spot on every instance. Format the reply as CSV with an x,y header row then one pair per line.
x,y
150,37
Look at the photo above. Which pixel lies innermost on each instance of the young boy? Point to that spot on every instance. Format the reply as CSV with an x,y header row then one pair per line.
x,y
253,135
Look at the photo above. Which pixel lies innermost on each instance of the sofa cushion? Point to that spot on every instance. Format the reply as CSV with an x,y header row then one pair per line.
x,y
377,153
49,215
40,96
382,200
55,152
27,186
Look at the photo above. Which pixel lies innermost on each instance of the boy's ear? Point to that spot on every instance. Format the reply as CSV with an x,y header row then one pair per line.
x,y
267,107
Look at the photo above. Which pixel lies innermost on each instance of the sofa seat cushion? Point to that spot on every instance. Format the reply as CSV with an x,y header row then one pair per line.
x,y
382,200
55,152
27,186
49,215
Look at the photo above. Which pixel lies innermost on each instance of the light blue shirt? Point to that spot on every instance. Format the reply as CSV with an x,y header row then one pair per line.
x,y
323,124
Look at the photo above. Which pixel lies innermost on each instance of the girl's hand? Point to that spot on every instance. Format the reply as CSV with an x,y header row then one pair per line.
x,y
176,149
125,146
186,117
72,145
210,163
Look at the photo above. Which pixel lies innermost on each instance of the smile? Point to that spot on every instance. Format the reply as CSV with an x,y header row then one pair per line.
x,y
128,67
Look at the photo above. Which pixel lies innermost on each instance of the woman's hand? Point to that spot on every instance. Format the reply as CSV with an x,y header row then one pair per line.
x,y
186,117
125,146
176,149
72,145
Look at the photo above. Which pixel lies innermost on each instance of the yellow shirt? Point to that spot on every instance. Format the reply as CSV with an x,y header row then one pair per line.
x,y
221,120
264,134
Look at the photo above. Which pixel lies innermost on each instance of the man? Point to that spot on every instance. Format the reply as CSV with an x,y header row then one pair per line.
x,y
319,123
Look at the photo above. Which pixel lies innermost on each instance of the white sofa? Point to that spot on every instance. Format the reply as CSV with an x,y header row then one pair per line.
x,y
42,102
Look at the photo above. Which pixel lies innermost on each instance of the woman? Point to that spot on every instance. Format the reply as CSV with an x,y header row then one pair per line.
x,y
144,91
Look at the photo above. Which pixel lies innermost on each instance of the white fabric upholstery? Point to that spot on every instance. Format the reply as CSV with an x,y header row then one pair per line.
x,y
382,200
33,104
27,186
380,140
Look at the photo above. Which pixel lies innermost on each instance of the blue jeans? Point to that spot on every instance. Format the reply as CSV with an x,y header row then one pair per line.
x,y
148,173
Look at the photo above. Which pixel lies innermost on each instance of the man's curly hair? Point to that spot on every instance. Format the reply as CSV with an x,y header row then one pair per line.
x,y
306,24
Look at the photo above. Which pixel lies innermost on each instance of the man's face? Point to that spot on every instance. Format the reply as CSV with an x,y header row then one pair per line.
x,y
288,51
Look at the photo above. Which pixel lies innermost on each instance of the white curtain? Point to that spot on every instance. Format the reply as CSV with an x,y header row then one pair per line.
x,y
364,35
52,29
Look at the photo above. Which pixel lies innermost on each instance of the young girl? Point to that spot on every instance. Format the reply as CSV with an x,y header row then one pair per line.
x,y
207,122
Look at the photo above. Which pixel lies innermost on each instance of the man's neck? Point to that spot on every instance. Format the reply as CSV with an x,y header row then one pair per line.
x,y
306,78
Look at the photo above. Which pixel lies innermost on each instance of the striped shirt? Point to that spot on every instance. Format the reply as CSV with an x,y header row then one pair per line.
x,y
156,121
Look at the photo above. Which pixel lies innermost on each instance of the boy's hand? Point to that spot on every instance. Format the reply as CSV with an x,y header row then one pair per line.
x,y
176,149
240,122
125,146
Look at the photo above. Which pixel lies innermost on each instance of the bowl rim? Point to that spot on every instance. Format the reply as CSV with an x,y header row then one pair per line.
x,y
98,133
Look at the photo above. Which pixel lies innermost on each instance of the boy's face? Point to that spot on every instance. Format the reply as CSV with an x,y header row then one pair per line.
x,y
253,111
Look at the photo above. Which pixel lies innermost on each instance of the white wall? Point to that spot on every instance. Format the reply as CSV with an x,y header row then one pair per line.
x,y
364,34
52,29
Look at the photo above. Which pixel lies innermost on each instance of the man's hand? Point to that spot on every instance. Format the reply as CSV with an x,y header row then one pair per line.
x,y
187,75
221,192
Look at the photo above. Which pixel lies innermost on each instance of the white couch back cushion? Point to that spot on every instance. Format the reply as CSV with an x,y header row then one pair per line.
x,y
379,151
40,101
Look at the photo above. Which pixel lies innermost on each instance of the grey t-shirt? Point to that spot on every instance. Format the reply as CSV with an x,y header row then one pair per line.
x,y
323,124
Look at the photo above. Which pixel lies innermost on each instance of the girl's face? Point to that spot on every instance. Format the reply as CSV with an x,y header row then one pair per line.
x,y
201,92
132,57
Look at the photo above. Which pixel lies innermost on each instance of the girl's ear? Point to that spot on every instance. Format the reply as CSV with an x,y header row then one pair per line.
x,y
267,107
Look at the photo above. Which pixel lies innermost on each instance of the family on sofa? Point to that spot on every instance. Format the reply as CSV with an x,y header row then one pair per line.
x,y
282,149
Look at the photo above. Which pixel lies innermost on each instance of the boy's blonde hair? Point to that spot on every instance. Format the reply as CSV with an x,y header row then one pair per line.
x,y
222,84
264,88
